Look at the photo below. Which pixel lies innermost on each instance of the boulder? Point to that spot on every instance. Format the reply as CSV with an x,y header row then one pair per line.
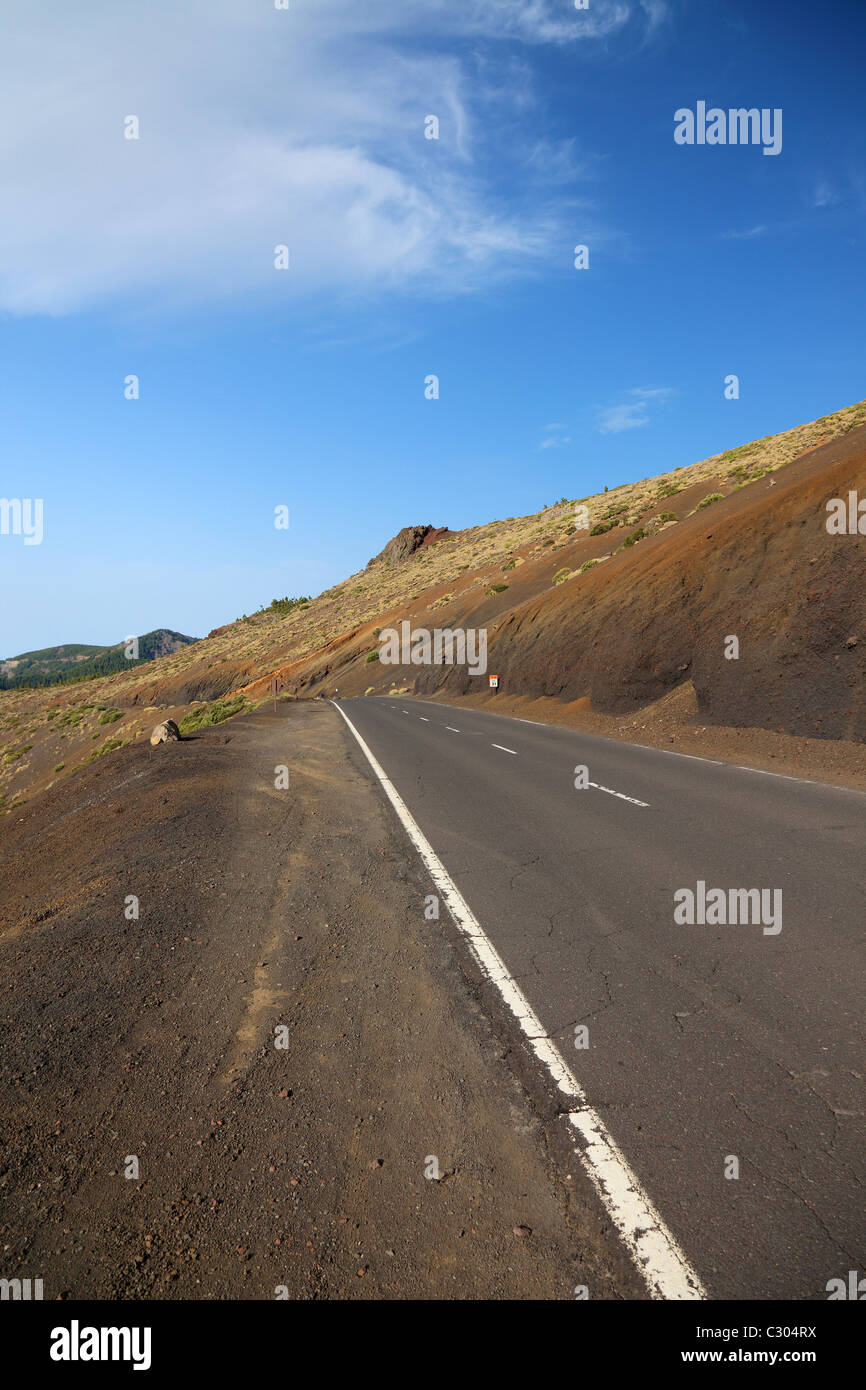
x,y
166,732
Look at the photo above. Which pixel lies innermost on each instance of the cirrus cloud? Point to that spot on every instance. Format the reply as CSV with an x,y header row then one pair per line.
x,y
261,127
632,414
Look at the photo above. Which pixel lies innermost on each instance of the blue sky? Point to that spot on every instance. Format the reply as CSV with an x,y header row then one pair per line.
x,y
408,257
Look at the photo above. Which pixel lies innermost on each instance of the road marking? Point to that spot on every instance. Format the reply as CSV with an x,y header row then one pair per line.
x,y
672,753
423,720
650,748
450,730
622,796
786,777
503,749
656,1254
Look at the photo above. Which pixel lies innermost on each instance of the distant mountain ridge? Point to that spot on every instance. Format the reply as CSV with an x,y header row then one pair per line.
x,y
78,661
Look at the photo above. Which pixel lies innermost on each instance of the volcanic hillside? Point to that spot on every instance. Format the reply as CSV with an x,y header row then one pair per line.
x,y
632,610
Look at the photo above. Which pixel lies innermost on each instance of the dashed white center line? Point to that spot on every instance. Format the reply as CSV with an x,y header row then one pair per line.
x,y
634,801
450,730
423,720
500,746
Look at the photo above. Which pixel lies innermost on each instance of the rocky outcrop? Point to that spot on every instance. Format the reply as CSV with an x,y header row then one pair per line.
x,y
403,546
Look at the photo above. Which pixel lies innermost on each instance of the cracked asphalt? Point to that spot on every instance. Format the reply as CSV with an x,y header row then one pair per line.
x,y
706,1042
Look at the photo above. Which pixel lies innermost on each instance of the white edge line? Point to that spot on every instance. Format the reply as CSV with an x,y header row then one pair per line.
x,y
656,1254
622,796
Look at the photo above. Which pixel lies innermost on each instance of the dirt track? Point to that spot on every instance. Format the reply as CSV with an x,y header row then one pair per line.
x,y
259,1167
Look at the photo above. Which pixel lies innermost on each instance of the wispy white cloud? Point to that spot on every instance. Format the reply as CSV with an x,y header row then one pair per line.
x,y
632,414
622,417
555,437
550,21
823,194
262,127
748,234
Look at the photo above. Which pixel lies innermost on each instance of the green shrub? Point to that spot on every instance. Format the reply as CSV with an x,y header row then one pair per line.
x,y
207,715
371,656
497,588
11,755
108,747
668,516
58,767
561,576
284,606
110,716
708,501
71,718
587,565
603,527
633,539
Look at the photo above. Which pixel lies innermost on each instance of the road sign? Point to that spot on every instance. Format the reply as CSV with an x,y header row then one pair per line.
x,y
494,682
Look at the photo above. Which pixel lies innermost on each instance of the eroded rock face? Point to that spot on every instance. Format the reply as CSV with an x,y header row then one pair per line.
x,y
166,732
403,546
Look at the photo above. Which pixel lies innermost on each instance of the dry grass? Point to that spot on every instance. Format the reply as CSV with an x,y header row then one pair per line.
x,y
265,642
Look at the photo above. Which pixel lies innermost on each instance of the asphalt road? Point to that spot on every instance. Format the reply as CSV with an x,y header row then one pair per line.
x,y
707,1043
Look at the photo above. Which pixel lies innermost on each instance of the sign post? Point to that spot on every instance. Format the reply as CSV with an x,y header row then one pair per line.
x,y
494,682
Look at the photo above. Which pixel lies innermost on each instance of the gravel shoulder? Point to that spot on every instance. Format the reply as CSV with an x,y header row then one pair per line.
x,y
301,1167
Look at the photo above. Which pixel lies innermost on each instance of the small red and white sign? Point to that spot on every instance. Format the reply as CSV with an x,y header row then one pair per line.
x,y
494,682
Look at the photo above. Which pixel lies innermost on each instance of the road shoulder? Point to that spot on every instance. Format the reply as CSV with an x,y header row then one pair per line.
x,y
301,1167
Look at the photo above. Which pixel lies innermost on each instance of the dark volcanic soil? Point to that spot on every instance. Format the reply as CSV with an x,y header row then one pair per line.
x,y
654,621
258,1167
760,565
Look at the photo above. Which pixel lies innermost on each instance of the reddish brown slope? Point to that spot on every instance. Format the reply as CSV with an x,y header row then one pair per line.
x,y
759,564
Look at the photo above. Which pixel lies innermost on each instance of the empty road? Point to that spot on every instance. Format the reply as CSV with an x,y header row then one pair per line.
x,y
726,1061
